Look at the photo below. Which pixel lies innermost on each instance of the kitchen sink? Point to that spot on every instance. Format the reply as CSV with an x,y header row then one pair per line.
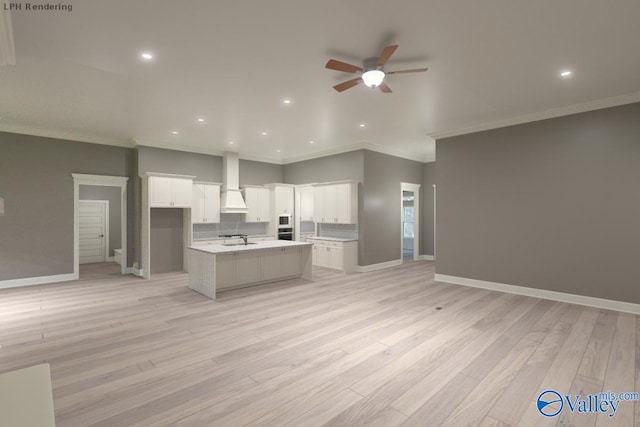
x,y
239,244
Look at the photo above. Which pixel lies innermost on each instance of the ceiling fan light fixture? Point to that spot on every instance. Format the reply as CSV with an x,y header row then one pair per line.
x,y
373,78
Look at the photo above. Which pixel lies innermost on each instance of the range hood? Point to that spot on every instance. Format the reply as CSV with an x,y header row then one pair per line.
x,y
231,200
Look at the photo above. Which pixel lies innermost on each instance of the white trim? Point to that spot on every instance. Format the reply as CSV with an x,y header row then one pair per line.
x,y
426,258
541,115
379,266
608,304
40,280
7,45
361,146
107,181
200,150
135,271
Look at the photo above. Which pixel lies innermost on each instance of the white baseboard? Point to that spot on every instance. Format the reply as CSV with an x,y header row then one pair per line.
x,y
135,271
41,280
608,304
426,257
380,266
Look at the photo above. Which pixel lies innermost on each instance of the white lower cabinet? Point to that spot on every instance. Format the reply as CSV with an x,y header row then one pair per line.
x,y
341,256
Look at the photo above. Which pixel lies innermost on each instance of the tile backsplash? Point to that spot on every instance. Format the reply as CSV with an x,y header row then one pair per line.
x,y
338,231
229,224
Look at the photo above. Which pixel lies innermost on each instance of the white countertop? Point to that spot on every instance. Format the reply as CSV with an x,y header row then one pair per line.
x,y
270,244
332,239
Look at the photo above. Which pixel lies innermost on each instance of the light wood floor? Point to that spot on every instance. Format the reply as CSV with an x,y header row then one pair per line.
x,y
385,348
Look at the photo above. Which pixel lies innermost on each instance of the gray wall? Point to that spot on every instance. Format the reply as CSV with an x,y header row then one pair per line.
x,y
258,173
36,232
338,167
553,204
166,240
205,167
380,226
112,194
379,195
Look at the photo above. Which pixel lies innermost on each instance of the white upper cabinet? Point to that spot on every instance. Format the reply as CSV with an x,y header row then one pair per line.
x,y
206,203
258,204
283,199
170,192
306,203
336,203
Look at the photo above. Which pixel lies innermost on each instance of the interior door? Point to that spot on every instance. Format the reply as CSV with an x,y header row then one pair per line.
x,y
93,231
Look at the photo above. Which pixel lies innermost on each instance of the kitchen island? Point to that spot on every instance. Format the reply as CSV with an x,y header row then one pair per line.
x,y
218,267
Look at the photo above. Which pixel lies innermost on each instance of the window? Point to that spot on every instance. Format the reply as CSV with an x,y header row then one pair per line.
x,y
408,222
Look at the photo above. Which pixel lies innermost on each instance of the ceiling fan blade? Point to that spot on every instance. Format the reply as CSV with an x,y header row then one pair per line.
x,y
384,88
348,84
417,70
332,64
386,54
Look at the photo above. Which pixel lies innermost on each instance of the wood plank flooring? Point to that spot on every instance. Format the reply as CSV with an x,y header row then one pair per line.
x,y
384,348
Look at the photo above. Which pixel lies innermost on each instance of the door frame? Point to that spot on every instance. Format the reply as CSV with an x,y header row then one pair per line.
x,y
415,189
105,203
105,181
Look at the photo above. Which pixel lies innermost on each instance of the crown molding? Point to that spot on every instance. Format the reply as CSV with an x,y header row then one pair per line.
x,y
7,46
68,136
360,146
542,115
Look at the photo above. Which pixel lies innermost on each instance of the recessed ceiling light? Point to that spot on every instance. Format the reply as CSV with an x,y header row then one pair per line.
x,y
263,133
175,132
278,150
200,119
565,73
312,142
231,142
362,125
287,101
147,56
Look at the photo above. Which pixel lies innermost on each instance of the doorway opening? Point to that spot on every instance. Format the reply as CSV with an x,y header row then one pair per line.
x,y
82,186
410,222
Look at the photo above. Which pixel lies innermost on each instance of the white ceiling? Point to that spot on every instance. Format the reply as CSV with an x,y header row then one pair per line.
x,y
78,74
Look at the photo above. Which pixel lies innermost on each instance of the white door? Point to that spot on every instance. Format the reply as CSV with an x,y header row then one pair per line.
x,y
93,220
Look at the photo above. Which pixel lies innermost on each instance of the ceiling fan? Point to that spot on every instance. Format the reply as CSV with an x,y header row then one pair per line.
x,y
372,73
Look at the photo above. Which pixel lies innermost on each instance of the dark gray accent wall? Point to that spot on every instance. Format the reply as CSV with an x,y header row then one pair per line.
x,y
553,204
36,232
381,218
166,240
427,211
112,194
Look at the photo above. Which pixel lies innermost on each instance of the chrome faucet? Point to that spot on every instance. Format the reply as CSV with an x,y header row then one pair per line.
x,y
244,237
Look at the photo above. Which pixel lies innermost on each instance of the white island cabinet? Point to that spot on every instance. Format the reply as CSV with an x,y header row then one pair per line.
x,y
216,267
